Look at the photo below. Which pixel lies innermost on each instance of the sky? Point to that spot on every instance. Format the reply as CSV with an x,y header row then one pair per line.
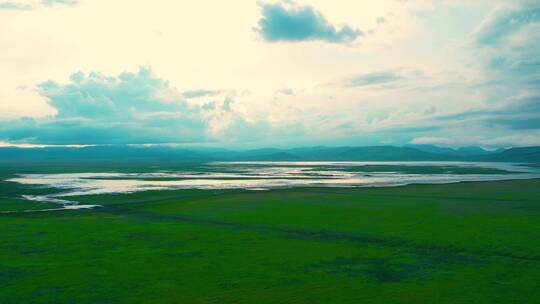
x,y
249,74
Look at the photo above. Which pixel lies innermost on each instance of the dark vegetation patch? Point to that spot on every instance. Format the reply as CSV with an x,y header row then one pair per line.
x,y
416,264
450,252
8,275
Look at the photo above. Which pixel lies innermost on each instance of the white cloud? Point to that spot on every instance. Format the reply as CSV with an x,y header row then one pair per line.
x,y
210,46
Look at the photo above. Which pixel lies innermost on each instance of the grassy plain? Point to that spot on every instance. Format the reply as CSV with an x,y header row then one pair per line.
x,y
476,242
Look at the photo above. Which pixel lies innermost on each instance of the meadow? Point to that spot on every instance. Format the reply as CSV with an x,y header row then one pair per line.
x,y
469,242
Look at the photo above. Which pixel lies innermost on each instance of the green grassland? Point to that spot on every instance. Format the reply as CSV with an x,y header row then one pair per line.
x,y
476,242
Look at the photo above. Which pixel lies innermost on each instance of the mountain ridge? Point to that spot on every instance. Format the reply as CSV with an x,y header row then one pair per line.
x,y
318,153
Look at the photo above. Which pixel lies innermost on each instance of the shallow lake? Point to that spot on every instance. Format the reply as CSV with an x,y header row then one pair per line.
x,y
269,175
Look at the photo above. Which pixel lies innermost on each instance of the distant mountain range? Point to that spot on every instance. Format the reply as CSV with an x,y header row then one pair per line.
x,y
370,153
464,151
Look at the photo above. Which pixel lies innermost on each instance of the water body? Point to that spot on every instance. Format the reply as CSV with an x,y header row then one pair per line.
x,y
269,175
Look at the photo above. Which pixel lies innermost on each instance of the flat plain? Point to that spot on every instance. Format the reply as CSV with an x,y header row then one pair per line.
x,y
469,242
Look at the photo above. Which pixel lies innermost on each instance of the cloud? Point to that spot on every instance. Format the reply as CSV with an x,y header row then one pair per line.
x,y
285,91
14,6
200,93
508,40
300,23
506,20
132,108
517,114
505,47
373,79
520,140
58,2
4,144
428,140
514,140
98,109
335,98
522,114
31,5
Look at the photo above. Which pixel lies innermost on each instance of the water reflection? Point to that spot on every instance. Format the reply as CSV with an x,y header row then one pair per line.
x,y
262,176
